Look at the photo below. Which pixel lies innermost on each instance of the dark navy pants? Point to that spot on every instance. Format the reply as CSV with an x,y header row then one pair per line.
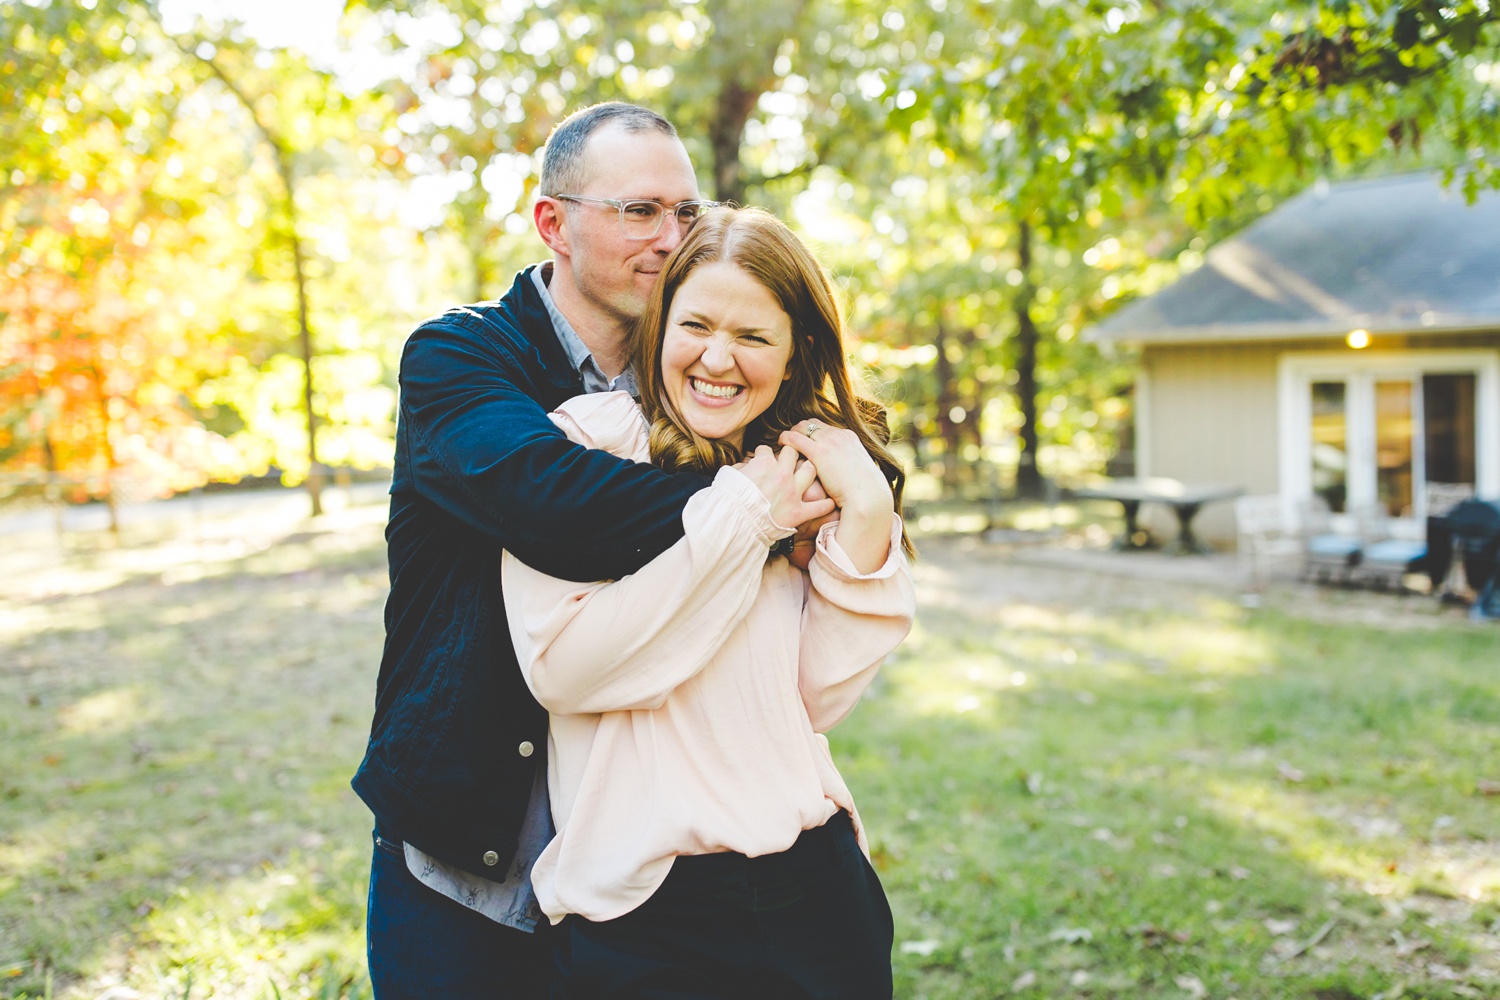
x,y
425,946
810,923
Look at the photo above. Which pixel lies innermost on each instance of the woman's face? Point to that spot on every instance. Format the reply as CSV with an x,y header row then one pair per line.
x,y
725,351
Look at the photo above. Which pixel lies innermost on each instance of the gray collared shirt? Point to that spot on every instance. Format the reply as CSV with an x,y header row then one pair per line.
x,y
579,356
511,901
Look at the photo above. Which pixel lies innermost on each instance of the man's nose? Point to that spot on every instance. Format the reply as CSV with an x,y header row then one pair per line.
x,y
670,234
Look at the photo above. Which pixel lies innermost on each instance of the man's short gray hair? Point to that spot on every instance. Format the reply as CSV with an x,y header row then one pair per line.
x,y
562,163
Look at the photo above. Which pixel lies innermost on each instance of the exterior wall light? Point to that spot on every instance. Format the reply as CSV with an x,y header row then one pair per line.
x,y
1358,339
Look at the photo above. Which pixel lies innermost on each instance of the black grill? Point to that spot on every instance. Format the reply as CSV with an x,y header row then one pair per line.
x,y
1470,533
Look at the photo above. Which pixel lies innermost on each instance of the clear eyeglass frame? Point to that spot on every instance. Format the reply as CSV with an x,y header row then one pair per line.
x,y
641,219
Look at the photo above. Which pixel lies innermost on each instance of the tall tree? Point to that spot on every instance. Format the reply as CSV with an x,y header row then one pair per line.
x,y
1072,110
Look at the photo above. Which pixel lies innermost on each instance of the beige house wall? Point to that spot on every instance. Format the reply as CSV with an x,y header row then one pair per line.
x,y
1211,420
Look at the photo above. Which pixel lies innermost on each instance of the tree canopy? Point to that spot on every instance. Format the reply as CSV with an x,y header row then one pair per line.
x,y
213,245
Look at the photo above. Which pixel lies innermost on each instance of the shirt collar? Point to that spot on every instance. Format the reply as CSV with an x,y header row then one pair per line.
x,y
579,356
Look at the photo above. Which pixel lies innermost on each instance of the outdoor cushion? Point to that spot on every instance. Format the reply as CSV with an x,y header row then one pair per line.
x,y
1396,552
1333,546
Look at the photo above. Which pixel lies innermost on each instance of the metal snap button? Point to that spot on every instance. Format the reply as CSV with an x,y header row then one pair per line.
x,y
526,749
491,858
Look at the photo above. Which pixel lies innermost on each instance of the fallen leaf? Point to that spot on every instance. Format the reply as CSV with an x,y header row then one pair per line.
x,y
1312,942
1192,984
1405,946
1486,787
1155,937
1289,773
923,948
1072,935
1024,981
1279,928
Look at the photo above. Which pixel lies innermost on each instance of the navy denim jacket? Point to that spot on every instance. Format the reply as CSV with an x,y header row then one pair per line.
x,y
479,468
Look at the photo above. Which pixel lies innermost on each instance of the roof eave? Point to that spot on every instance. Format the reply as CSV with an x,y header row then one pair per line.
x,y
1242,332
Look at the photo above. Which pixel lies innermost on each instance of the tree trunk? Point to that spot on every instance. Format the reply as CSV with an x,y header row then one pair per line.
x,y
724,132
744,41
1028,476
304,333
101,401
947,401
283,158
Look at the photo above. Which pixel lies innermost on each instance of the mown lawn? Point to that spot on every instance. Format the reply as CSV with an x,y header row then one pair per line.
x,y
1077,785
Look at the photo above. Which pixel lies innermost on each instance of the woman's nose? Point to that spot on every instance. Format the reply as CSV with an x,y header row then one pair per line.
x,y
718,355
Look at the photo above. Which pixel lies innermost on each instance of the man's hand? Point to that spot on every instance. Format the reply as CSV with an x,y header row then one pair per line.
x,y
784,481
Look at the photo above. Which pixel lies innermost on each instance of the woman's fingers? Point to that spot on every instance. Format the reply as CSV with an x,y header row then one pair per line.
x,y
792,437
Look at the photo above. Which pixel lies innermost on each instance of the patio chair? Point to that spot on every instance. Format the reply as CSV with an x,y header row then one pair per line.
x,y
1328,555
1388,558
1266,534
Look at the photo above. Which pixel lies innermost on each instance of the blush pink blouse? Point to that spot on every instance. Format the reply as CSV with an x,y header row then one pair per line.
x,y
688,700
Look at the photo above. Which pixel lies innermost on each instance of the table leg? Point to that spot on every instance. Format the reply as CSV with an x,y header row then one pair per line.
x,y
1128,540
1187,542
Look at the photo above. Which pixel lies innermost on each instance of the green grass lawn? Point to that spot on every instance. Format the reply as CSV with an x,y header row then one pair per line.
x,y
1075,786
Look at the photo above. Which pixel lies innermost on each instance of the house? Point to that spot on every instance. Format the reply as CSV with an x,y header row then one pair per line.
x,y
1347,345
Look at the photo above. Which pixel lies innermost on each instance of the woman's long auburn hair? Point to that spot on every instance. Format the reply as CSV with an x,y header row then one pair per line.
x,y
819,385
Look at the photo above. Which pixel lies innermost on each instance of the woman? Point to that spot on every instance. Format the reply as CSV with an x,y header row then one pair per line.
x,y
706,845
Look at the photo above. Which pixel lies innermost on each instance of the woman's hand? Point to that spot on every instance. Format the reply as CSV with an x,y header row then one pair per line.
x,y
783,480
855,483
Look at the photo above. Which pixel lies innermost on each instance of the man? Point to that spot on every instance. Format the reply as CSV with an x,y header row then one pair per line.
x,y
454,772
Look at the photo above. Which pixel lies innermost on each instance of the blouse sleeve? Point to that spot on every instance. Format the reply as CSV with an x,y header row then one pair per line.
x,y
850,623
628,643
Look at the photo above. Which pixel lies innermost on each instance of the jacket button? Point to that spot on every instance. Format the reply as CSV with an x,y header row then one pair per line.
x,y
525,749
491,858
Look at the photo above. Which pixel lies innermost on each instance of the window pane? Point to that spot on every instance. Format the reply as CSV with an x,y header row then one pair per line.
x,y
1449,422
1393,446
1330,443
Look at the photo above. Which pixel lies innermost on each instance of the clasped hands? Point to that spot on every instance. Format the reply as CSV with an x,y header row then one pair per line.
x,y
820,473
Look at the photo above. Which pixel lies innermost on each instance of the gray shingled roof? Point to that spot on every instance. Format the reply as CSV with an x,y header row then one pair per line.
x,y
1395,255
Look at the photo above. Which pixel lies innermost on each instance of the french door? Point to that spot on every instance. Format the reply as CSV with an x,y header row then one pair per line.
x,y
1379,431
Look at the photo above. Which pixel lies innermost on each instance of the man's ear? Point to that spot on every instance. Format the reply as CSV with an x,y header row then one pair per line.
x,y
551,225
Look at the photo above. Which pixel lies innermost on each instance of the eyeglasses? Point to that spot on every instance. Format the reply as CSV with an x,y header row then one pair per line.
x,y
641,220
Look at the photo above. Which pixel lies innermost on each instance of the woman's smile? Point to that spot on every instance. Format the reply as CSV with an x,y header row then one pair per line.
x,y
715,390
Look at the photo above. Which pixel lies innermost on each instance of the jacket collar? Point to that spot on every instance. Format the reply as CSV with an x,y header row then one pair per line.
x,y
525,303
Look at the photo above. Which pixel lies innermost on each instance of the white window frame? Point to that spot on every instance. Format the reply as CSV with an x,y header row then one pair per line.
x,y
1296,372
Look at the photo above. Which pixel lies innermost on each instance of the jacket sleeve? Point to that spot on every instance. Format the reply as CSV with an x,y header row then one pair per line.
x,y
850,622
629,643
482,449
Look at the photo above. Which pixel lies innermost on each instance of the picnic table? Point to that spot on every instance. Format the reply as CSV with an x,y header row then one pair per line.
x,y
1184,499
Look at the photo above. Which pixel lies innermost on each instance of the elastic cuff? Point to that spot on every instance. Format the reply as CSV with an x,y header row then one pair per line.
x,y
842,566
752,503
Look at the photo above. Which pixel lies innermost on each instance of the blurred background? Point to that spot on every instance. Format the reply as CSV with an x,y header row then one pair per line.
x,y
220,218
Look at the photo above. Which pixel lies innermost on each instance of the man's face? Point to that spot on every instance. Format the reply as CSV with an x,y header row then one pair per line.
x,y
614,274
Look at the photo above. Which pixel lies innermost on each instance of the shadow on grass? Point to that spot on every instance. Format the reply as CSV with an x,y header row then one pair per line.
x,y
175,774
1142,803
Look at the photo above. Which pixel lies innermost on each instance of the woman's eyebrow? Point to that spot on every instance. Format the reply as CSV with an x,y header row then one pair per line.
x,y
704,317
